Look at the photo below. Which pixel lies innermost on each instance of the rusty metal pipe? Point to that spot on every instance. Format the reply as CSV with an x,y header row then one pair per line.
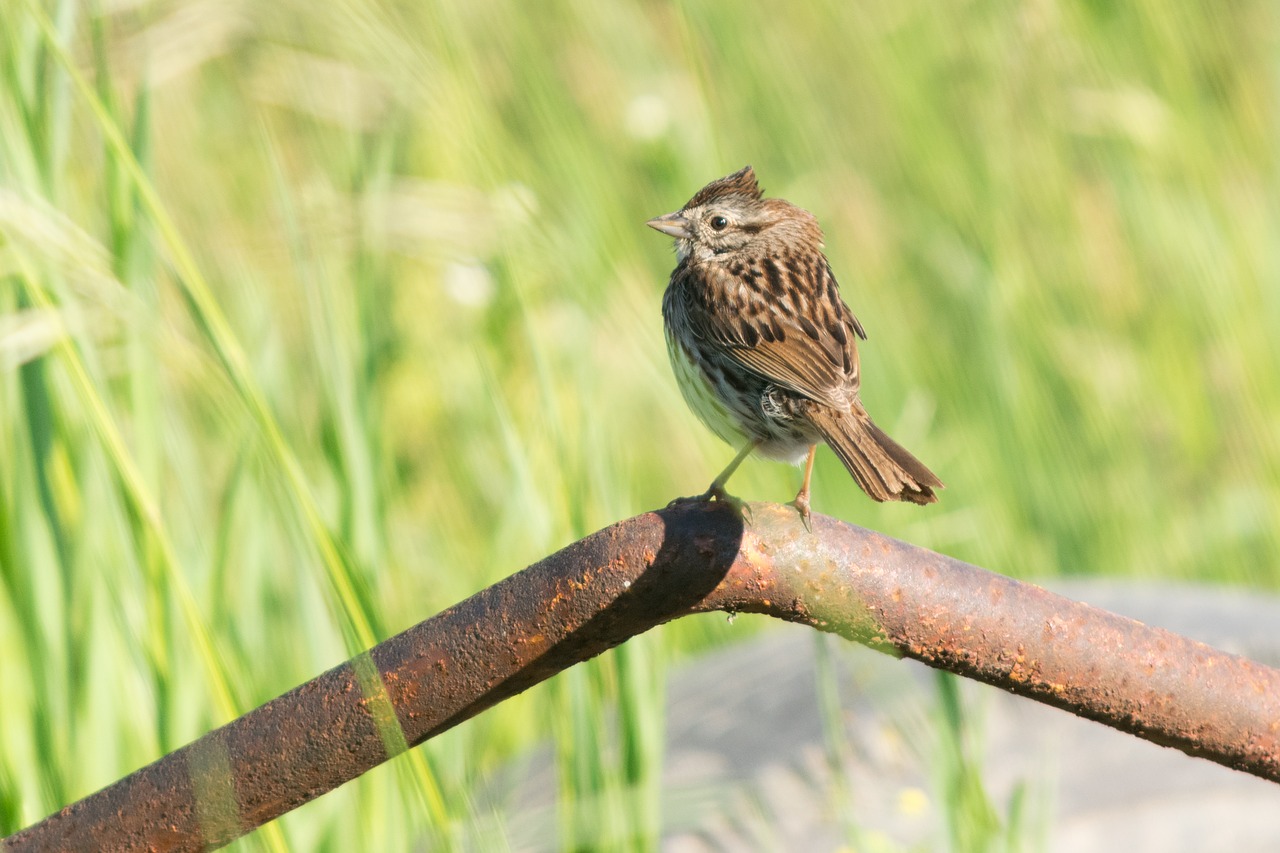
x,y
621,581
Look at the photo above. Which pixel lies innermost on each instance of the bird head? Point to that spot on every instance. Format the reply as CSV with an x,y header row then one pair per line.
x,y
729,215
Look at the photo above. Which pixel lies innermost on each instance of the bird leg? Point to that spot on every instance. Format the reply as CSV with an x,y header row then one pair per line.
x,y
717,490
717,485
801,503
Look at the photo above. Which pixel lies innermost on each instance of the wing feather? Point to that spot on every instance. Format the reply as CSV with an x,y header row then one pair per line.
x,y
795,336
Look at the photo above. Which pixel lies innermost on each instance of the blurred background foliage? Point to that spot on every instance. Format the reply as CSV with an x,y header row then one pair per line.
x,y
316,318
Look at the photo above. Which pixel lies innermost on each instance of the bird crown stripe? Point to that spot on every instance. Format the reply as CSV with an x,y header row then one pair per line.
x,y
742,182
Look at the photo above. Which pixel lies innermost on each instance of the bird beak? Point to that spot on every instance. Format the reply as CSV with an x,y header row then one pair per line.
x,y
672,224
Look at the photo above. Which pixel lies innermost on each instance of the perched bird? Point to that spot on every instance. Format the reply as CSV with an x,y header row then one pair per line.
x,y
764,349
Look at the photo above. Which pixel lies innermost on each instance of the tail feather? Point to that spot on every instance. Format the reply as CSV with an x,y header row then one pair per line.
x,y
883,468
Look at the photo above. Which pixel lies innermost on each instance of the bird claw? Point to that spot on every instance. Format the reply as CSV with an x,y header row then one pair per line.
x,y
802,506
719,495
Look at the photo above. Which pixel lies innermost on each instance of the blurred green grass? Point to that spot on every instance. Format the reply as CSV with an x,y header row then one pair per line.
x,y
417,345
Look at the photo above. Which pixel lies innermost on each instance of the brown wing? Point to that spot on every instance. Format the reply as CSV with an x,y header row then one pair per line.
x,y
783,319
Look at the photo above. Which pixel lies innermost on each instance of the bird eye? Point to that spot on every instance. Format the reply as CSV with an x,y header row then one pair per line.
x,y
719,223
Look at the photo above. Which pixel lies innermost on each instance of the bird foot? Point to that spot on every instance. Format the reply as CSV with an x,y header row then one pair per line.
x,y
801,503
718,494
